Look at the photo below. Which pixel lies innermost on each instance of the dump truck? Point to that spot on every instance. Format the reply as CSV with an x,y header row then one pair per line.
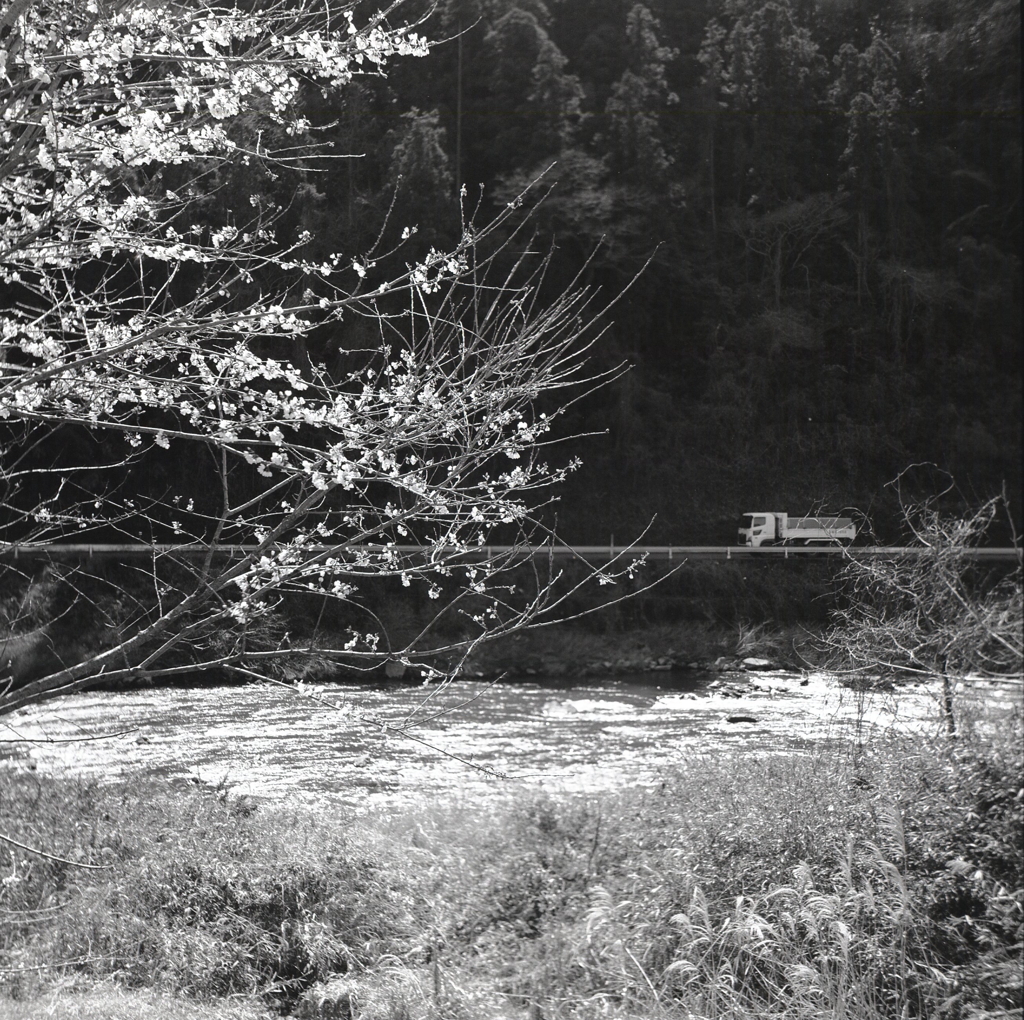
x,y
772,528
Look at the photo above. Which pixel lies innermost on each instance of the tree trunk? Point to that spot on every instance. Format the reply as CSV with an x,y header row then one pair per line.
x,y
947,698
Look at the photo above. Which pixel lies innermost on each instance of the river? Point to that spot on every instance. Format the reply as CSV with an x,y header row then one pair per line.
x,y
394,743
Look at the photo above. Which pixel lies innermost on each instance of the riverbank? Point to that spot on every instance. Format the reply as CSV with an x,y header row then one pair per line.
x,y
881,880
572,651
690,617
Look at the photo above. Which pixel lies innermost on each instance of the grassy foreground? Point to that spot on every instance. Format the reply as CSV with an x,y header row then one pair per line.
x,y
886,881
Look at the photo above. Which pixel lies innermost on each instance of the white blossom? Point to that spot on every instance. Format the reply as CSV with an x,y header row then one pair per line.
x,y
397,445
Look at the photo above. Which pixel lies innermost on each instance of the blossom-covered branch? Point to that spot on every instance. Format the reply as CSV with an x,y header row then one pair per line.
x,y
153,322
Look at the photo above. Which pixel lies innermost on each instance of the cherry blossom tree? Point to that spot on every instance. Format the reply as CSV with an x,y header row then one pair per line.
x,y
363,414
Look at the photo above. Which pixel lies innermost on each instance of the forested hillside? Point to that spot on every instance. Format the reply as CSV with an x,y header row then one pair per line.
x,y
827,198
822,199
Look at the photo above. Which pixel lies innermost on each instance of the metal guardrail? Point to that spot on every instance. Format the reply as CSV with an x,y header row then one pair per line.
x,y
590,553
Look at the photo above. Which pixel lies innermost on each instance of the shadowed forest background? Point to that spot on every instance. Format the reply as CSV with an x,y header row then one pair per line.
x,y
829,194
826,195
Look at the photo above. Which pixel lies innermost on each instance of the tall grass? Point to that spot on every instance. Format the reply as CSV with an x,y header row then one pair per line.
x,y
879,882
201,896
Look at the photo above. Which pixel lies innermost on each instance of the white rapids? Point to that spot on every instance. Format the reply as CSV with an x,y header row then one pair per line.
x,y
391,743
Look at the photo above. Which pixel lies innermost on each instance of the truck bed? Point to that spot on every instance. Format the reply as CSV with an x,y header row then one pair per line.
x,y
819,523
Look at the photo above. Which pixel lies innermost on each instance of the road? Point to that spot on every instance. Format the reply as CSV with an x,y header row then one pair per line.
x,y
595,554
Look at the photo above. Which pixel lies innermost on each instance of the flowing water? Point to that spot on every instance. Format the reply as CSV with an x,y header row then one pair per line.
x,y
398,742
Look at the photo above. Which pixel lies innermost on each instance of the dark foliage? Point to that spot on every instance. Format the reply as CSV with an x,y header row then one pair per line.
x,y
829,197
834,289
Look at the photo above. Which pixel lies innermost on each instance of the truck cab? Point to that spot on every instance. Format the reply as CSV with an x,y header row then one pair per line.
x,y
757,529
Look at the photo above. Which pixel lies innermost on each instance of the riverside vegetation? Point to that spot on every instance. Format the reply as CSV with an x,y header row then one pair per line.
x,y
883,880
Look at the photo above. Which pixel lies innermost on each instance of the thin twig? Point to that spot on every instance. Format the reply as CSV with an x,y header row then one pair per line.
x,y
52,857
